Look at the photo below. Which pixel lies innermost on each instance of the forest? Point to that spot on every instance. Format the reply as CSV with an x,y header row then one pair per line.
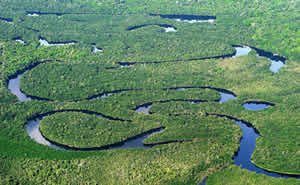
x,y
68,113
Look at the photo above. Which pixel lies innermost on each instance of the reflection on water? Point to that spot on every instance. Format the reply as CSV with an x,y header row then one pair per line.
x,y
97,50
32,14
44,42
276,65
241,51
170,29
14,87
225,97
256,106
32,129
195,21
20,41
144,109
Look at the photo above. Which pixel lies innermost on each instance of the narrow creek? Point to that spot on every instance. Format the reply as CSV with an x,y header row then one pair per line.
x,y
240,50
225,96
144,108
167,27
7,20
276,61
188,18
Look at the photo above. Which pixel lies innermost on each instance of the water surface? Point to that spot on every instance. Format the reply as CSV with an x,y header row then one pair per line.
x,y
20,41
32,129
188,18
97,50
256,105
170,29
276,65
44,42
247,146
277,61
14,87
241,51
226,96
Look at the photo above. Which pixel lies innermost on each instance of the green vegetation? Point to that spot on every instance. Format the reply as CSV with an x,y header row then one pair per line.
x,y
235,176
62,81
84,131
71,74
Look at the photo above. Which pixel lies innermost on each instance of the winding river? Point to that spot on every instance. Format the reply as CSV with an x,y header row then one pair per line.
x,y
32,129
241,158
14,87
247,146
276,61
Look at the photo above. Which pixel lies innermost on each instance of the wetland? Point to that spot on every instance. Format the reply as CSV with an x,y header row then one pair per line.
x,y
149,92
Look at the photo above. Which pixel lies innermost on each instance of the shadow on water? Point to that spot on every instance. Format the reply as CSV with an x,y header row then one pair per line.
x,y
19,39
167,27
187,18
8,20
276,61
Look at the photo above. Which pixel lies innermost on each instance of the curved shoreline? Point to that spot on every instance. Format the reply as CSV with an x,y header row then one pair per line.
x,y
144,108
242,157
293,175
136,141
255,105
224,93
108,93
26,97
13,84
40,115
253,166
259,102
277,61
180,60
